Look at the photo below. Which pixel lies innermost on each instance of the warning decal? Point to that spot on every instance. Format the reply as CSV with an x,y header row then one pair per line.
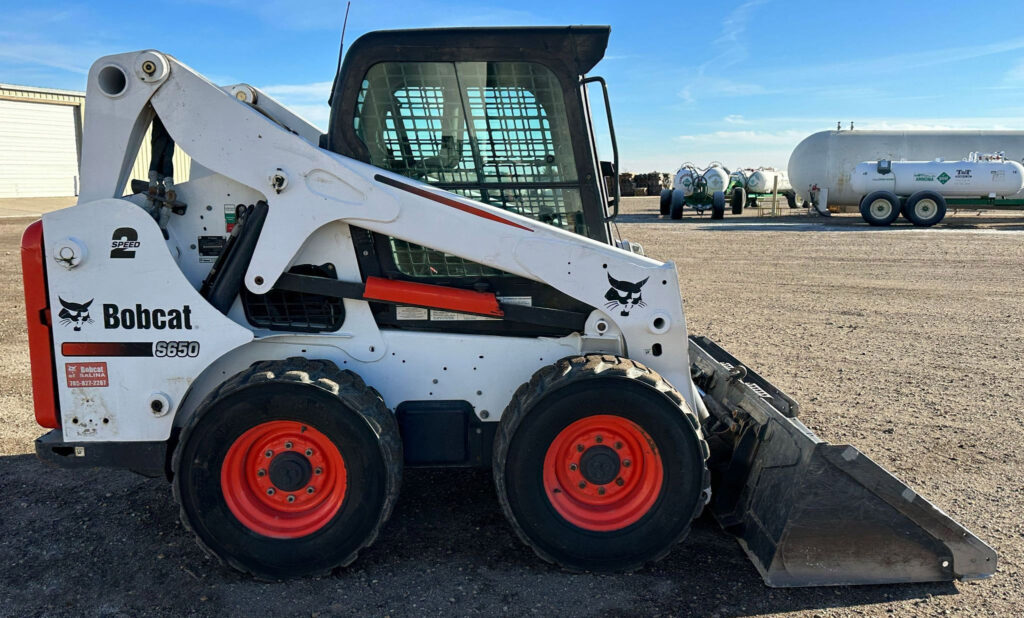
x,y
86,375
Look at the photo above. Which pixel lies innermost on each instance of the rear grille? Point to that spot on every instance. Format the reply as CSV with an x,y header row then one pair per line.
x,y
296,311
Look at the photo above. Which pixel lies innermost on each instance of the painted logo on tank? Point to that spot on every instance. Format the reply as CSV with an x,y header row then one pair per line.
x,y
624,295
943,178
924,177
74,314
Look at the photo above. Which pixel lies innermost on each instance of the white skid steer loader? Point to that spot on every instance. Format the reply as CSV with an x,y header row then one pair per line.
x,y
433,282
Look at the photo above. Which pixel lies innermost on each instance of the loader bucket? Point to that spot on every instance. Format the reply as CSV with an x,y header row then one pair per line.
x,y
809,513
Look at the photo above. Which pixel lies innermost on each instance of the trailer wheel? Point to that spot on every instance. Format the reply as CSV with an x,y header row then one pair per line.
x,y
599,464
739,199
665,203
925,208
290,468
718,205
791,199
678,202
880,208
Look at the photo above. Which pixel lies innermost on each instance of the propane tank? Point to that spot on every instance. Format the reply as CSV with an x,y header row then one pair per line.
x,y
717,178
740,178
978,176
763,180
683,180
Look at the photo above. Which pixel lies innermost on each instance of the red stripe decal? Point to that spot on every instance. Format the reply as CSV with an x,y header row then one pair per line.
x,y
436,296
107,348
447,201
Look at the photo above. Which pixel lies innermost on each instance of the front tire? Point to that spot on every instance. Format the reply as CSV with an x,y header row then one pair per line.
x,y
599,464
289,469
718,205
925,208
678,202
880,208
739,199
665,202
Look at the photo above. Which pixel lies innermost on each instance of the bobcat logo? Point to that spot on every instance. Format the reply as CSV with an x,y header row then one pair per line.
x,y
624,294
75,313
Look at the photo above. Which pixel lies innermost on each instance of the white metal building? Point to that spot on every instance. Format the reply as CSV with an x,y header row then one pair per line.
x,y
41,143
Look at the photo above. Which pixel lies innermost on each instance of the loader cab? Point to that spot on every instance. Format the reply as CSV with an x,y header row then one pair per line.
x,y
499,115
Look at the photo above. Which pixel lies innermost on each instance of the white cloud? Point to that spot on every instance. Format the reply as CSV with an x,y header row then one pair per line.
x,y
735,119
1015,76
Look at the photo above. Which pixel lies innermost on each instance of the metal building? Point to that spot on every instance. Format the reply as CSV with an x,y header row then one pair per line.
x,y
40,143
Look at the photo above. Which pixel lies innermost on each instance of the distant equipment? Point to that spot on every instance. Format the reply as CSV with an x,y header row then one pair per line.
x,y
700,189
822,163
922,190
747,186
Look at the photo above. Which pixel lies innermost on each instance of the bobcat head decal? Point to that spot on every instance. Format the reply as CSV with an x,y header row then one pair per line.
x,y
74,313
625,295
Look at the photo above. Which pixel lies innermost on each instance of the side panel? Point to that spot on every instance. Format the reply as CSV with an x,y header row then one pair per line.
x,y
40,339
130,332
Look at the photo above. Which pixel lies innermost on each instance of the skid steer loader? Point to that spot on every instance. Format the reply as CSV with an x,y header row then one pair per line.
x,y
434,282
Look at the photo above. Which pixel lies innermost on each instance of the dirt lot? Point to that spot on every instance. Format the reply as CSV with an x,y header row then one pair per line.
x,y
906,343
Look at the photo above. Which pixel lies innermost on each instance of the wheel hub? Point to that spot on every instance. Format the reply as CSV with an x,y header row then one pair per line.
x,y
290,471
600,465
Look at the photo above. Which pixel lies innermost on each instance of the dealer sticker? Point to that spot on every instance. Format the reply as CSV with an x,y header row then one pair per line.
x,y
86,375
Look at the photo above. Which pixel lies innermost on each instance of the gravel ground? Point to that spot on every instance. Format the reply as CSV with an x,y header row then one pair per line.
x,y
906,343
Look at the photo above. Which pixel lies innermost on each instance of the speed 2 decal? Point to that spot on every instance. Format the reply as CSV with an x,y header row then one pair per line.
x,y
124,242
624,295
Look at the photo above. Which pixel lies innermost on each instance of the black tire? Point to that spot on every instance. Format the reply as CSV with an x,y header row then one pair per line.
x,y
739,200
565,394
925,208
678,202
718,205
880,208
791,199
665,201
316,401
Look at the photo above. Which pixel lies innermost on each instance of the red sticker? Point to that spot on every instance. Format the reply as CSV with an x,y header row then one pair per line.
x,y
86,375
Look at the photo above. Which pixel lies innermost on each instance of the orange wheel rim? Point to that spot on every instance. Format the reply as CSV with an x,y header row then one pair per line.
x,y
603,473
283,479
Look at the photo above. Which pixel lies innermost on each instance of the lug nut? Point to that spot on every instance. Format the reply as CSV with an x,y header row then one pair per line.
x,y
310,489
309,452
583,484
270,491
261,472
318,471
600,491
268,454
291,498
618,445
620,482
579,448
573,467
626,463
287,444
599,439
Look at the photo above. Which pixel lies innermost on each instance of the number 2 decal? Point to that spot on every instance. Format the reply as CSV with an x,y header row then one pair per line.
x,y
124,242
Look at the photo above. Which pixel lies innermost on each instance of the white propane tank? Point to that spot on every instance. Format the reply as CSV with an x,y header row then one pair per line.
x,y
683,180
717,178
967,178
739,178
762,181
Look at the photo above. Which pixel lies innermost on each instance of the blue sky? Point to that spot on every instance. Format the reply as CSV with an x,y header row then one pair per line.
x,y
739,82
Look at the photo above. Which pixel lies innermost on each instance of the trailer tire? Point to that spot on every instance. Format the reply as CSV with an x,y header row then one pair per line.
x,y
718,205
329,483
619,429
880,208
791,198
678,202
925,208
739,199
665,203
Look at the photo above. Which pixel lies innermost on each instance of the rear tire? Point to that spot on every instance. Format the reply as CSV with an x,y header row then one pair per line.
x,y
324,492
925,208
791,199
718,205
666,202
627,436
880,208
739,199
678,202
